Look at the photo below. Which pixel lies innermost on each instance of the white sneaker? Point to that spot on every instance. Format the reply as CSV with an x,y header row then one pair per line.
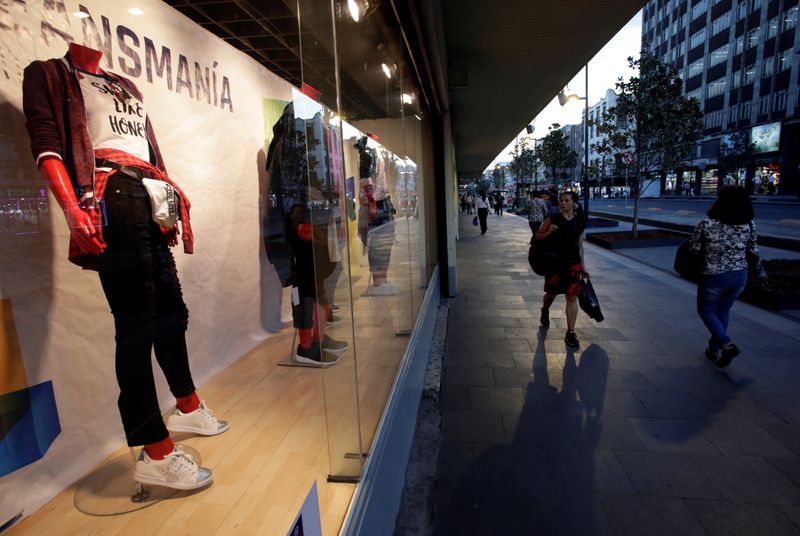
x,y
177,470
200,421
384,289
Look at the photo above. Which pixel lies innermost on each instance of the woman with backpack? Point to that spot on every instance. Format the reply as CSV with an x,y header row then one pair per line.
x,y
562,234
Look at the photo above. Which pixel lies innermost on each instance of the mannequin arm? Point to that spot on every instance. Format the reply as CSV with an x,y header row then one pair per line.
x,y
80,223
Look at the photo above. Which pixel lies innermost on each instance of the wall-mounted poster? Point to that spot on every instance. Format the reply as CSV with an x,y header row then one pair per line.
x,y
766,138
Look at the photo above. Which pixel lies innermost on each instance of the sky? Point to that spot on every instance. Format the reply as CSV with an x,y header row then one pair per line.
x,y
604,70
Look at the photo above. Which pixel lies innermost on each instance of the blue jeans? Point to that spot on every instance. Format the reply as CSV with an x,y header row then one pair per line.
x,y
715,296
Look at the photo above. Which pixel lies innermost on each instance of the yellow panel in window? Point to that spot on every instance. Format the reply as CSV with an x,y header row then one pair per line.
x,y
12,370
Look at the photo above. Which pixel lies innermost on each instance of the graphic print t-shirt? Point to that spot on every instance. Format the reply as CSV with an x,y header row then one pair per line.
x,y
116,119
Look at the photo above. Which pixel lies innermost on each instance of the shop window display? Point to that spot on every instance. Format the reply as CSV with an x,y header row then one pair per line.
x,y
313,204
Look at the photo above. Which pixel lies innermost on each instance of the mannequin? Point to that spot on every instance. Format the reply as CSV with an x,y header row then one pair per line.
x,y
95,172
296,236
372,215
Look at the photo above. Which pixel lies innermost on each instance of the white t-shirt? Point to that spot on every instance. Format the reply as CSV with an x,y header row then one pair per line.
x,y
116,119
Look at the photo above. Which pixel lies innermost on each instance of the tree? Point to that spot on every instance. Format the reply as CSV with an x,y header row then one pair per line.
x,y
523,161
735,153
499,176
653,121
555,154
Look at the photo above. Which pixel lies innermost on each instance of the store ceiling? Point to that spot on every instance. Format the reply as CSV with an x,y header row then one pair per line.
x,y
506,59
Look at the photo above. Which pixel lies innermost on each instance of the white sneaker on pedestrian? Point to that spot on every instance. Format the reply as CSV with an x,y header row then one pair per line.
x,y
177,470
200,421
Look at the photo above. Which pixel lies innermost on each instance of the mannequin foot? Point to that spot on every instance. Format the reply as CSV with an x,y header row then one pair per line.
x,y
200,421
177,471
316,356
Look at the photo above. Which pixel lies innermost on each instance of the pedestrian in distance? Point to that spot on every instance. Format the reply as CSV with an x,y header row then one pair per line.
x,y
482,208
469,203
566,231
725,239
538,211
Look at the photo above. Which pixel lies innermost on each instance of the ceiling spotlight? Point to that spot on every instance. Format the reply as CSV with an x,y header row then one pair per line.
x,y
408,98
135,11
357,8
81,15
418,116
386,70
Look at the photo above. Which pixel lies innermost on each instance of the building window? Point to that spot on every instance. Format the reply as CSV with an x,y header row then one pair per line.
x,y
790,18
768,67
753,36
741,9
719,55
736,79
713,119
745,110
681,48
739,44
772,27
697,39
717,87
785,60
696,67
733,113
722,23
763,105
752,5
694,95
749,74
780,100
699,9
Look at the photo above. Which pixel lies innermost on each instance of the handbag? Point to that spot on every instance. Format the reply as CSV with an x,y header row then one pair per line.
x,y
688,264
755,269
475,220
164,202
542,257
588,301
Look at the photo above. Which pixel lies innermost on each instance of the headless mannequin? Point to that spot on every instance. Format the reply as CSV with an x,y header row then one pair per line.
x,y
80,223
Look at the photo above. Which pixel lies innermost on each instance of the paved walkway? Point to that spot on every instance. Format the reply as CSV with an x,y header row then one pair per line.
x,y
634,433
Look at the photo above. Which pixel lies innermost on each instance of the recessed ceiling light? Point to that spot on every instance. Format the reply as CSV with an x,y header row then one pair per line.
x,y
135,11
386,70
408,98
81,15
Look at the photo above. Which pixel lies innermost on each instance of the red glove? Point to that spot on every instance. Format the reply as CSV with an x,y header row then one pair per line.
x,y
305,231
80,222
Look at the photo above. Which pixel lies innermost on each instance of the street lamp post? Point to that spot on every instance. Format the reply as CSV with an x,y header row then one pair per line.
x,y
564,99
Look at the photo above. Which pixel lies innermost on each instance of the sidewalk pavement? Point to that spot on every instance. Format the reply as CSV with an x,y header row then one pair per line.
x,y
633,433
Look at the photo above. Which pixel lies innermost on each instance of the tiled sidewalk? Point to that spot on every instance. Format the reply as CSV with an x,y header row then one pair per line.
x,y
635,432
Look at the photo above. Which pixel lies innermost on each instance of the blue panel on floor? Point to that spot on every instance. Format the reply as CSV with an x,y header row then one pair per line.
x,y
33,432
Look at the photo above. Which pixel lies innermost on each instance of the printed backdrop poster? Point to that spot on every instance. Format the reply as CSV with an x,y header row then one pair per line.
x,y
205,100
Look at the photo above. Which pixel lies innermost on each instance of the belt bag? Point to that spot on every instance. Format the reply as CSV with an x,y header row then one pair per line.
x,y
164,201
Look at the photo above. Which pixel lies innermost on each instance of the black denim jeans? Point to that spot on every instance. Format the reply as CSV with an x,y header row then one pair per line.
x,y
141,284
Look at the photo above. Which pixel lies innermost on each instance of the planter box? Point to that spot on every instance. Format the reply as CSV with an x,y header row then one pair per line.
x,y
595,223
646,239
770,300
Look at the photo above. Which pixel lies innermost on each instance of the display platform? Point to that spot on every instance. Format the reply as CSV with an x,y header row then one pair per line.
x,y
111,490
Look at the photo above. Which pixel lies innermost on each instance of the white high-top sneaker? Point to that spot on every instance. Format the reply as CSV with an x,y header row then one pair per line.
x,y
177,470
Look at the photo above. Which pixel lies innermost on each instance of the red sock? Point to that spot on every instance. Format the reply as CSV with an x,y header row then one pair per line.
x,y
160,449
188,404
305,337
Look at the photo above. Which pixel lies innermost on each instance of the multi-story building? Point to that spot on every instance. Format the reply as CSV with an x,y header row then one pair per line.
x,y
741,60
601,166
573,134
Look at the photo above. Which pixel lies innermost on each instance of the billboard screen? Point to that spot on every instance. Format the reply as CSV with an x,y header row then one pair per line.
x,y
766,138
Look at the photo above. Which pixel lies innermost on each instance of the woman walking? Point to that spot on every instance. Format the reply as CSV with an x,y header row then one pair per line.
x,y
724,238
565,230
482,208
538,211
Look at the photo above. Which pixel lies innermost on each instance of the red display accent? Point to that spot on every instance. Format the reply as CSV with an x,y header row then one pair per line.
x,y
373,136
305,231
85,58
309,92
